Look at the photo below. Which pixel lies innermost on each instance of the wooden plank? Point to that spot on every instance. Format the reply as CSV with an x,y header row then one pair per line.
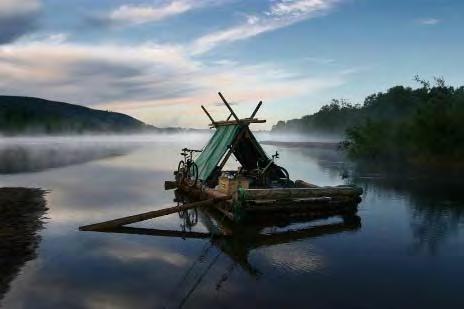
x,y
291,193
147,215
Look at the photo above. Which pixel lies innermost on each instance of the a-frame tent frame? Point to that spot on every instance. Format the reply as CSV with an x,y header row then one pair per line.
x,y
244,146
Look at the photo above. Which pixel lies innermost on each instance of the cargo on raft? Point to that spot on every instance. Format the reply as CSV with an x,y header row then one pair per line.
x,y
259,187
258,190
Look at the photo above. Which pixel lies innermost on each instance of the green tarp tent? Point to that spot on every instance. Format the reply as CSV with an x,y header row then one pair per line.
x,y
215,150
247,150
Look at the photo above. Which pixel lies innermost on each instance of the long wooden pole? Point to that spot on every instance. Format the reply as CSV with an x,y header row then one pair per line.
x,y
207,114
149,215
228,106
256,109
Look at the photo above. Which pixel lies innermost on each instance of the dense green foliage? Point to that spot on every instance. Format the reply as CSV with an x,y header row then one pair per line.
x,y
423,124
333,118
24,115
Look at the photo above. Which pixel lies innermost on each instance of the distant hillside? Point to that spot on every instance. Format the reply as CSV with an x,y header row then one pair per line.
x,y
25,115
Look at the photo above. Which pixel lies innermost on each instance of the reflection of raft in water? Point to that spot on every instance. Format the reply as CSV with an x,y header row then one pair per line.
x,y
258,189
236,241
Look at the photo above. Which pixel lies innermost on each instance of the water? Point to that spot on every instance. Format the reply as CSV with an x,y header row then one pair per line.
x,y
407,251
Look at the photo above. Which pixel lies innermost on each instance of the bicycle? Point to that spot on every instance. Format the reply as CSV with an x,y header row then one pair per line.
x,y
187,169
270,172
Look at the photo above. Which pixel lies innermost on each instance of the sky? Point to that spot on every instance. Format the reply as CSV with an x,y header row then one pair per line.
x,y
159,60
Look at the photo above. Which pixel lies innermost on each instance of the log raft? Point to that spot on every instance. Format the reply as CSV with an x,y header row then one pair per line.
x,y
307,199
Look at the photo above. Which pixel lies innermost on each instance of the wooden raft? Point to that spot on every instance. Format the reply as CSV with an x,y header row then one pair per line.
x,y
310,200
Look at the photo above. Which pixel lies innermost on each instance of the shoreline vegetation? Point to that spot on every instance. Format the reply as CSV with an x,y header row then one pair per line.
x,y
422,126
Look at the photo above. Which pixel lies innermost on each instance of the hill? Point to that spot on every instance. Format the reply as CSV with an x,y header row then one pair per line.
x,y
27,115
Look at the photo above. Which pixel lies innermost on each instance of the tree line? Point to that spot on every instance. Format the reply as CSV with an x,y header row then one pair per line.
x,y
422,124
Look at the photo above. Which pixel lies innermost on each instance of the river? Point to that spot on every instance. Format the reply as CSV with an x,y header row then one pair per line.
x,y
407,251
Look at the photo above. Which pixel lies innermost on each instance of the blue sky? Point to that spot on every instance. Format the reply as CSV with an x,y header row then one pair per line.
x,y
159,60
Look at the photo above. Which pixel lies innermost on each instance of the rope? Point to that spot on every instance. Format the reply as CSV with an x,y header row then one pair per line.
x,y
190,269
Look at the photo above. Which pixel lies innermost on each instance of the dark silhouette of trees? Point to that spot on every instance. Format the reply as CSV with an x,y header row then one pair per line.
x,y
422,125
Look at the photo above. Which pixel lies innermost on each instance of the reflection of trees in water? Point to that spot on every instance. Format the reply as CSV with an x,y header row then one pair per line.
x,y
436,199
20,221
432,223
17,158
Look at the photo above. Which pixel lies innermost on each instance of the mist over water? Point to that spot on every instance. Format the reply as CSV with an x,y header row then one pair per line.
x,y
295,137
410,233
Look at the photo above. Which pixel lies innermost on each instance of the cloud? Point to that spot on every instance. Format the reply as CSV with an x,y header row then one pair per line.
x,y
147,80
281,13
88,74
139,14
428,21
17,18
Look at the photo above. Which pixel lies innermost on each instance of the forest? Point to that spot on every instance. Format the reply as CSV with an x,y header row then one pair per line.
x,y
425,124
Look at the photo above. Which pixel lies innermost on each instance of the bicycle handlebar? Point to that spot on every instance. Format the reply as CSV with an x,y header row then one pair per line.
x,y
190,150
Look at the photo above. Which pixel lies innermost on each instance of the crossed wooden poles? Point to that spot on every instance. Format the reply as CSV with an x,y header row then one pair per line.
x,y
236,120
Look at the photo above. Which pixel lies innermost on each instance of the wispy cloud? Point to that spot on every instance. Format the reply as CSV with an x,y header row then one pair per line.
x,y
129,14
281,13
14,7
17,18
146,80
428,21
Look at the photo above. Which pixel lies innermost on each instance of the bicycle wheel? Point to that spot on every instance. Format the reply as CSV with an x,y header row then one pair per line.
x,y
180,172
286,178
270,176
193,174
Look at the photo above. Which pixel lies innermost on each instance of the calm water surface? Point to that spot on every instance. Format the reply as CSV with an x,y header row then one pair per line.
x,y
408,250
